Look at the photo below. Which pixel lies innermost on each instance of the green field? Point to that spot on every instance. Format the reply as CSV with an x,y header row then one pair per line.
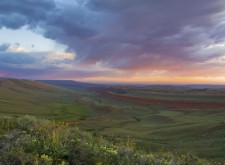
x,y
169,119
19,97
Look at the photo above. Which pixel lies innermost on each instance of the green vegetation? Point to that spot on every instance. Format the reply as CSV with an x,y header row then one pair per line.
x,y
156,118
28,140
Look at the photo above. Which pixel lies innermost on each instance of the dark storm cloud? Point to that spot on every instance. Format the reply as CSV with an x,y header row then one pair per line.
x,y
15,14
126,34
149,32
141,34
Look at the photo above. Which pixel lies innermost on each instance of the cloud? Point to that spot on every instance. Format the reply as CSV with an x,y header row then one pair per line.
x,y
127,35
15,14
4,47
15,56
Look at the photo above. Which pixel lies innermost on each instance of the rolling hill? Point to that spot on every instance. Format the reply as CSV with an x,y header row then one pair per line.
x,y
25,97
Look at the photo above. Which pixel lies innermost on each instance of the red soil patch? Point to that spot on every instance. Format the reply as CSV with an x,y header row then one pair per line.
x,y
169,103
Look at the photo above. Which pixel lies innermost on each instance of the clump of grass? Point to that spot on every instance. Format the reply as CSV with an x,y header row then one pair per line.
x,y
28,140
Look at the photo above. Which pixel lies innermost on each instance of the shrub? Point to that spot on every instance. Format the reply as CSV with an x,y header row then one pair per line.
x,y
30,141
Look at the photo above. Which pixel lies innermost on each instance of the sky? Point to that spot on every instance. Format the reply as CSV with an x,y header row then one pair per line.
x,y
122,41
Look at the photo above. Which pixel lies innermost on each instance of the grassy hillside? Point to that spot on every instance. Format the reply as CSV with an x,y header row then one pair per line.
x,y
28,140
20,97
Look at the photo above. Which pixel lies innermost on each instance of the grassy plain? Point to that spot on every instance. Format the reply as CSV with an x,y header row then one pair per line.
x,y
158,118
184,120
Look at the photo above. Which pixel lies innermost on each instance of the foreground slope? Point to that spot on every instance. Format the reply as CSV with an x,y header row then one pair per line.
x,y
28,140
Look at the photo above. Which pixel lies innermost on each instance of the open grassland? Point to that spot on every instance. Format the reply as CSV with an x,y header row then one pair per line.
x,y
162,120
157,119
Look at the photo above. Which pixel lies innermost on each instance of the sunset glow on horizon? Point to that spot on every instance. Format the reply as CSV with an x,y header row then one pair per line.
x,y
114,41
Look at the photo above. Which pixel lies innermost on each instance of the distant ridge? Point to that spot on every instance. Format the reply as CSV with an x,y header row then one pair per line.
x,y
70,84
203,86
76,85
188,86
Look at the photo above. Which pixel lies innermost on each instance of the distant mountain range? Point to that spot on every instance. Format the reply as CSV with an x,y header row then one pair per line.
x,y
76,85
